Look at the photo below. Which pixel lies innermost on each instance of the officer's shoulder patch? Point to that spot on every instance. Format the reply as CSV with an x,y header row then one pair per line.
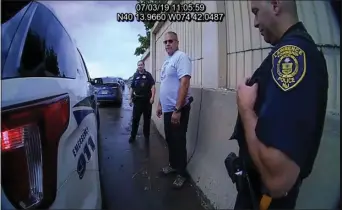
x,y
288,66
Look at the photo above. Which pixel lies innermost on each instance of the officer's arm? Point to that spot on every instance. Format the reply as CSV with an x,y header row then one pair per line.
x,y
184,68
278,139
131,93
132,86
133,81
153,91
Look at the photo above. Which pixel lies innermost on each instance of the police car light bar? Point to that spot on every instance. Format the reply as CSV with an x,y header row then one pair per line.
x,y
30,134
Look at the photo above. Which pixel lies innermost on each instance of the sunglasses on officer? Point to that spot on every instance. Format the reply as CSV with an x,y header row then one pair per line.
x,y
170,41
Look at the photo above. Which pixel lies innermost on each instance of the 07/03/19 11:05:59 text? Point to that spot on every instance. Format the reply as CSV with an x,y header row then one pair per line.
x,y
172,17
171,8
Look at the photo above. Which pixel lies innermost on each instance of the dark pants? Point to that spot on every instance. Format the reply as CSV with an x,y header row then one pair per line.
x,y
175,136
244,200
142,106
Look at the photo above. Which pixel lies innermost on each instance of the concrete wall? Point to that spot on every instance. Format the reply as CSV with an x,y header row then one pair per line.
x,y
223,54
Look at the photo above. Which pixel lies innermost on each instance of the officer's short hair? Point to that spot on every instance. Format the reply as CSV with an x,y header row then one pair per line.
x,y
173,33
142,61
290,6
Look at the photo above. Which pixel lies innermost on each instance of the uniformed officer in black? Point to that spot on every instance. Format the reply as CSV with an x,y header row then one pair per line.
x,y
142,94
281,108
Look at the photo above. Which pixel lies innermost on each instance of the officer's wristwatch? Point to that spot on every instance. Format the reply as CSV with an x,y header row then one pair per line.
x,y
177,110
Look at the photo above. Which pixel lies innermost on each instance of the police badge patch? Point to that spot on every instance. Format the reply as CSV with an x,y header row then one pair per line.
x,y
289,66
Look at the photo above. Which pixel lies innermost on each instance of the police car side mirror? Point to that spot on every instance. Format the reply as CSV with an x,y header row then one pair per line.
x,y
92,82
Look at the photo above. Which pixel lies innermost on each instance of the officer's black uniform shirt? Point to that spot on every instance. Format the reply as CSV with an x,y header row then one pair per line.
x,y
142,84
292,97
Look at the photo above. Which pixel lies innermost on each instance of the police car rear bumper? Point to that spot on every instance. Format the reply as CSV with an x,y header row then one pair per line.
x,y
108,98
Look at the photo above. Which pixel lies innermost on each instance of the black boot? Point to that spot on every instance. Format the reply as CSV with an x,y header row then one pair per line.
x,y
147,138
131,140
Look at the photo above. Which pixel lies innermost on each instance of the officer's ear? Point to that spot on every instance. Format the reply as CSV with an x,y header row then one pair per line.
x,y
276,5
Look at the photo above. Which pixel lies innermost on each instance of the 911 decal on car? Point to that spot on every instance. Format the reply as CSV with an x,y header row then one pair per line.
x,y
86,152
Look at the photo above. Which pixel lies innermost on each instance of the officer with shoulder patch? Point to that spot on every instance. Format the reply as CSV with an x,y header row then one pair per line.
x,y
281,109
142,94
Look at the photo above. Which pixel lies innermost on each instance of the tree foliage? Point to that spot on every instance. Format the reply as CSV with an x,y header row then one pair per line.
x,y
145,40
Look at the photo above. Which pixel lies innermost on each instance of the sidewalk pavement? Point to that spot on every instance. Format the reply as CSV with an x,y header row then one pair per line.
x,y
130,173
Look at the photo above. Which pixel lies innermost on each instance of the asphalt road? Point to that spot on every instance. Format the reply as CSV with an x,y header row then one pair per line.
x,y
130,174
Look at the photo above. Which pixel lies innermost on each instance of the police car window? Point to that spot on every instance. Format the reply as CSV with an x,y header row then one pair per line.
x,y
8,30
48,49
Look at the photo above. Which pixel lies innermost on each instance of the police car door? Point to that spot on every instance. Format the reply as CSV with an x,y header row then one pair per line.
x,y
87,107
42,78
84,151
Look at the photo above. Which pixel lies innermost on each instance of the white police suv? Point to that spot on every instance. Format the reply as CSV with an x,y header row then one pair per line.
x,y
49,118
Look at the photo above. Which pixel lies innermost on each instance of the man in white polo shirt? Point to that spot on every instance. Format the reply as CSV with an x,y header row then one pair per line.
x,y
174,105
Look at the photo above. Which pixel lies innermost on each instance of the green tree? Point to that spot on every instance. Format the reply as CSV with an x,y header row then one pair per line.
x,y
145,40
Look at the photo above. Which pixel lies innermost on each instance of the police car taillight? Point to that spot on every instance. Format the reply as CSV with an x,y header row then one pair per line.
x,y
29,147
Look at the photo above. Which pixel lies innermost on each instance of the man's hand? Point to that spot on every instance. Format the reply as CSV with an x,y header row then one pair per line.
x,y
130,103
175,118
151,100
246,96
159,111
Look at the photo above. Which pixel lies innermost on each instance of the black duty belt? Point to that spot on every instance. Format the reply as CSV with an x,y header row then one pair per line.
x,y
139,96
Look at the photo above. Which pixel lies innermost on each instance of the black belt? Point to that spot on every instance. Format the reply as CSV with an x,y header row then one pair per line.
x,y
140,96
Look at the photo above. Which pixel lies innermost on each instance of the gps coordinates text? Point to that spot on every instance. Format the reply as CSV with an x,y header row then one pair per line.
x,y
172,17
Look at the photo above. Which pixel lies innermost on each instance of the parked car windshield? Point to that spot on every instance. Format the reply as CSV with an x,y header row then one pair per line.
x,y
108,81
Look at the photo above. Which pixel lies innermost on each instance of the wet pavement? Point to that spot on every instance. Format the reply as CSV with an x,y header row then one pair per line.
x,y
130,174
